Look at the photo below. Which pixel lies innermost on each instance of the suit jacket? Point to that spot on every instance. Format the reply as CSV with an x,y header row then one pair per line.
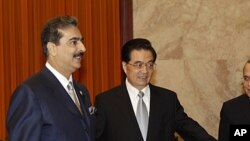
x,y
116,121
42,110
233,112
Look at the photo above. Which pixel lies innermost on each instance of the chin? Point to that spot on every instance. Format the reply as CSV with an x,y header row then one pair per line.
x,y
248,94
143,84
77,66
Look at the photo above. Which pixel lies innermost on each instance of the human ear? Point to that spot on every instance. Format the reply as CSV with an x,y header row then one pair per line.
x,y
52,48
124,66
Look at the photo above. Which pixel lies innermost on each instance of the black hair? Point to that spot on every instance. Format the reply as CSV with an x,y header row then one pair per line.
x,y
51,33
136,44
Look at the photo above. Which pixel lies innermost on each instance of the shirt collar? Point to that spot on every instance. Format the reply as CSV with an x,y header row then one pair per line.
x,y
63,80
134,91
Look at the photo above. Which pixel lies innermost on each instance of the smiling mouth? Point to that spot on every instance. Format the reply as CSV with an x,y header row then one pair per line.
x,y
142,77
78,55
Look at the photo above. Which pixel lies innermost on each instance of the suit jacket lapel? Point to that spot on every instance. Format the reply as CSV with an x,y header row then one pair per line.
x,y
59,92
155,108
127,111
83,99
126,105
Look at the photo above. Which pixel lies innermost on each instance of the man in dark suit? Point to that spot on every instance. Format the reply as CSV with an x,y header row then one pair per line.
x,y
50,105
236,111
153,115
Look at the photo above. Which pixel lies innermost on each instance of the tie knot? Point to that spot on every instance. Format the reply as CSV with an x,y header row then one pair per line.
x,y
70,86
141,94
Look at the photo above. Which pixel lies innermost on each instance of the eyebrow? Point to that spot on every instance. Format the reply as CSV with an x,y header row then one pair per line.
x,y
143,62
76,38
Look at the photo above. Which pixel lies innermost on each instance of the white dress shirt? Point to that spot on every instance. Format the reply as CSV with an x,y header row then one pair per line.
x,y
134,98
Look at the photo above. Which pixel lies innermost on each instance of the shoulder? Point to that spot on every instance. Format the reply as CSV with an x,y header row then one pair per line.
x,y
113,92
235,105
237,100
32,82
35,84
43,77
26,91
161,91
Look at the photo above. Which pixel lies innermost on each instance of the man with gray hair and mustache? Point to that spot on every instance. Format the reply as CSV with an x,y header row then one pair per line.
x,y
50,105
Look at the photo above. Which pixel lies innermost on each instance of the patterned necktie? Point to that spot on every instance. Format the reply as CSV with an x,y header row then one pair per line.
x,y
73,96
142,116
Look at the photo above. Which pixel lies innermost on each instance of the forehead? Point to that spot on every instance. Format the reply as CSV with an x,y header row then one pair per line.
x,y
70,32
141,54
247,69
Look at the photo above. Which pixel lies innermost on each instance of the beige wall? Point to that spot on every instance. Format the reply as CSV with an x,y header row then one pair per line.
x,y
202,46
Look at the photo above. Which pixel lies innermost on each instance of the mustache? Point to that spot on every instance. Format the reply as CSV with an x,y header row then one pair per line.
x,y
79,54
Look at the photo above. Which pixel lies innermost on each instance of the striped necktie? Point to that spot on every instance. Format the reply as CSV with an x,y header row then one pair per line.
x,y
73,96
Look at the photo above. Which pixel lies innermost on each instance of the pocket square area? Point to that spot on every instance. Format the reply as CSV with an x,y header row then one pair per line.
x,y
92,110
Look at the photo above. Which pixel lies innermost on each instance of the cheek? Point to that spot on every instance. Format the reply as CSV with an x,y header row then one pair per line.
x,y
150,73
131,74
245,84
129,71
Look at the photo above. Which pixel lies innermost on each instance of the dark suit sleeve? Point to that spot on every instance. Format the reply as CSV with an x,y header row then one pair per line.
x,y
188,128
223,126
24,119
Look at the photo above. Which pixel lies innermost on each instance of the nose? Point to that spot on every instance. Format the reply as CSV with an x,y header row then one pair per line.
x,y
144,68
82,47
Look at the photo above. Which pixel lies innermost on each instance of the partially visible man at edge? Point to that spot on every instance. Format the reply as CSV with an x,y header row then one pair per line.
x,y
50,105
236,111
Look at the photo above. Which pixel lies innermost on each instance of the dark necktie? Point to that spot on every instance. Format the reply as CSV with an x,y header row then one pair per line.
x,y
142,116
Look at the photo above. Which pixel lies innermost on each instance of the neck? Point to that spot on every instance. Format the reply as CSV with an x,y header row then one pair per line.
x,y
59,69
